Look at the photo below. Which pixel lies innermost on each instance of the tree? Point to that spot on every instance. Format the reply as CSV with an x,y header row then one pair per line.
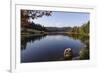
x,y
33,14
75,29
85,28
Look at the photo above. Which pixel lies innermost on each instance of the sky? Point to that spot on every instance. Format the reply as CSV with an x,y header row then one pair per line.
x,y
63,19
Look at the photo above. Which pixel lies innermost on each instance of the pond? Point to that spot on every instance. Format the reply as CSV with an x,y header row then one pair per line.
x,y
50,47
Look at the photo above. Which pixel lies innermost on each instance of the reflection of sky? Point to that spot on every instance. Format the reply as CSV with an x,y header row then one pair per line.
x,y
50,48
63,19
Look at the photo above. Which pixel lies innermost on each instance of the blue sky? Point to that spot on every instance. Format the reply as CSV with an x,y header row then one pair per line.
x,y
63,19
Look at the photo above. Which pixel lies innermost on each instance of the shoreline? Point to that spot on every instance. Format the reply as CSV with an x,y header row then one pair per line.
x,y
51,33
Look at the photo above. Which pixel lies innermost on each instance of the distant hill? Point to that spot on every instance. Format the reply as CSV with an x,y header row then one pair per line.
x,y
58,29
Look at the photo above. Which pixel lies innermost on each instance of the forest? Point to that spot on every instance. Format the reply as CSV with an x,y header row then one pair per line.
x,y
33,28
32,31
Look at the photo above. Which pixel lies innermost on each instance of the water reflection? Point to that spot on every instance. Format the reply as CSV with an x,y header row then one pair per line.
x,y
83,38
84,52
26,39
51,47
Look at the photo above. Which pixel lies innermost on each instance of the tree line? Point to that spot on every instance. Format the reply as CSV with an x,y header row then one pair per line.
x,y
34,14
84,29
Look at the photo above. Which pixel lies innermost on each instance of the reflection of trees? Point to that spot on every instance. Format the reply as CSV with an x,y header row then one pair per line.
x,y
83,38
84,52
26,39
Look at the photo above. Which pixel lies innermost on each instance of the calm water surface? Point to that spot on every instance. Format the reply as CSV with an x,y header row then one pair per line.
x,y
48,47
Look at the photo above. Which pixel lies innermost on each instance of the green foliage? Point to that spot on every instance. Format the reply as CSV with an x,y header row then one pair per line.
x,y
37,27
84,53
84,29
26,15
75,29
